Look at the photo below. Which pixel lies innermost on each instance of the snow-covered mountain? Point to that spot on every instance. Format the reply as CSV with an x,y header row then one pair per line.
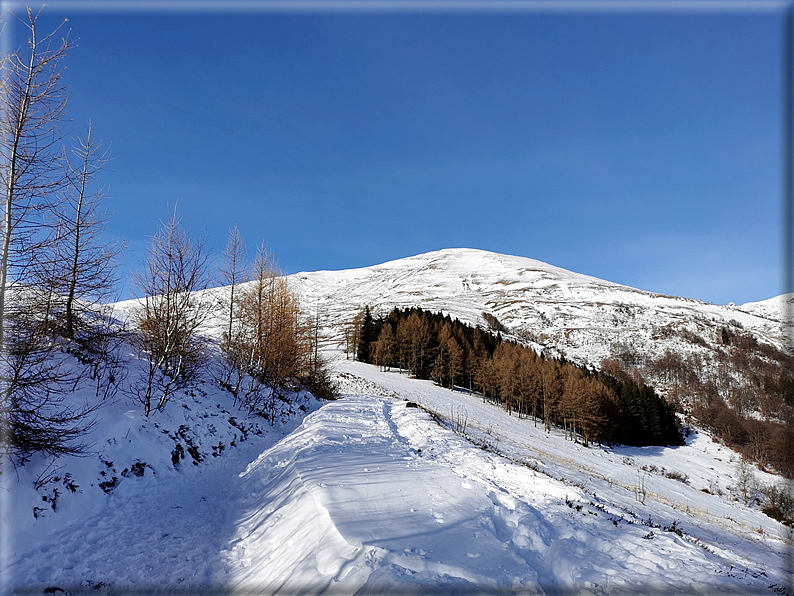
x,y
371,495
567,313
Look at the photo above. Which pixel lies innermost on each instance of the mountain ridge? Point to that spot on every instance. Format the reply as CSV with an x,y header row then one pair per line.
x,y
572,314
465,251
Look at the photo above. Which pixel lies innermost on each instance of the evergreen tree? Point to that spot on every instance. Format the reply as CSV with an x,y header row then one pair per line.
x,y
365,352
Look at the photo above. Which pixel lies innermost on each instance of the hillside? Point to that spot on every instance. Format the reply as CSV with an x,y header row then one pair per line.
x,y
566,313
369,495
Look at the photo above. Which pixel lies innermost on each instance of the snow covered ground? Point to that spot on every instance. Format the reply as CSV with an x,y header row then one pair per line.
x,y
563,312
627,485
370,495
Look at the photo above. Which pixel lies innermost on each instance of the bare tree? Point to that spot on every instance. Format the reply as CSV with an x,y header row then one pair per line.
x,y
32,109
273,352
243,351
317,377
353,335
39,377
232,273
746,484
90,260
171,314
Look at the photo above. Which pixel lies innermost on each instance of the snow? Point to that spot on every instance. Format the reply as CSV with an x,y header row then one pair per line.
x,y
563,312
94,536
369,495
776,309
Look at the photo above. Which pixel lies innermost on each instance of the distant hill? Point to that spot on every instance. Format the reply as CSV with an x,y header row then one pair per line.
x,y
582,317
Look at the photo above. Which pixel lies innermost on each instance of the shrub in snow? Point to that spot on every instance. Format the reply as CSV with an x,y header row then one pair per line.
x,y
780,502
746,486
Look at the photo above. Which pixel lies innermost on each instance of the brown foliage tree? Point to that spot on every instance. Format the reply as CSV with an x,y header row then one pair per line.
x,y
170,315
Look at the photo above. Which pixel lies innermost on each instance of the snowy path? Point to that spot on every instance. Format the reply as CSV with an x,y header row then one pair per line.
x,y
150,533
375,502
369,496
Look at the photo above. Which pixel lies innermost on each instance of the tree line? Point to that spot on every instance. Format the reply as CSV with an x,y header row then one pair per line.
x,y
589,405
741,389
58,277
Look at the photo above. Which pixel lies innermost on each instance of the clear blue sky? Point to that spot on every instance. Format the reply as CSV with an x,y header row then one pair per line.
x,y
642,148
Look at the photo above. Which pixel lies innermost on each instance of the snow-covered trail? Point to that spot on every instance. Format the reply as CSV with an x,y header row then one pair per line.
x,y
373,496
158,531
375,502
369,495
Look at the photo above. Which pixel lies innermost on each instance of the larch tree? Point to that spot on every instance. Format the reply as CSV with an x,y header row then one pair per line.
x,y
353,335
233,272
245,347
385,347
318,376
403,341
419,332
90,272
277,344
37,376
171,314
456,360
33,102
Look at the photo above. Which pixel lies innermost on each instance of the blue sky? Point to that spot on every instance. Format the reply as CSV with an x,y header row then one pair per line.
x,y
642,148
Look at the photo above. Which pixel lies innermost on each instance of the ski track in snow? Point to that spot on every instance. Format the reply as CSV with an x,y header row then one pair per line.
x,y
369,496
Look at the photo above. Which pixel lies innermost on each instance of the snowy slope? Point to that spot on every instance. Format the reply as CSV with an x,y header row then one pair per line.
x,y
566,312
144,504
774,309
400,503
562,312
371,496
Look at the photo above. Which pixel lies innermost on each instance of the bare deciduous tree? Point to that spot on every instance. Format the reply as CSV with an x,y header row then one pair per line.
x,y
90,273
244,349
32,109
172,312
38,374
269,351
232,273
317,376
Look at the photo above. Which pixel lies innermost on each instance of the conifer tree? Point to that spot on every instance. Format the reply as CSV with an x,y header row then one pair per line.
x,y
367,338
403,339
385,346
34,413
89,273
172,312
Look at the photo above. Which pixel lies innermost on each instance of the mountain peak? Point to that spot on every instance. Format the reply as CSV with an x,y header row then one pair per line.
x,y
581,316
